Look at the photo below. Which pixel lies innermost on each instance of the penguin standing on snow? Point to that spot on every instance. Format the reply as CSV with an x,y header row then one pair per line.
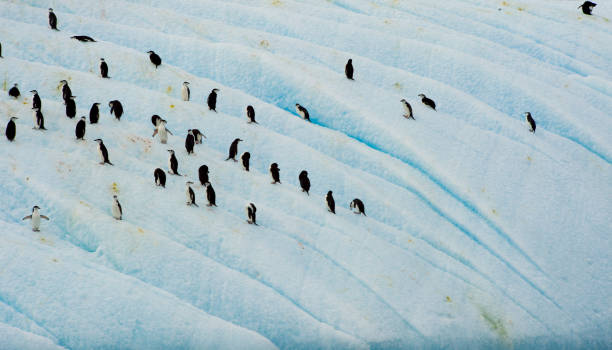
x,y
70,107
155,120
587,7
94,113
39,120
1,50
155,59
275,173
203,175
103,69
83,38
305,182
116,108
116,208
210,195
427,101
251,216
357,204
35,100
407,110
251,114
530,122
11,129
185,92
189,142
233,150
348,70
198,136
66,91
190,194
35,217
245,157
173,164
302,112
331,204
79,131
162,131
14,92
160,177
212,100
52,20
103,152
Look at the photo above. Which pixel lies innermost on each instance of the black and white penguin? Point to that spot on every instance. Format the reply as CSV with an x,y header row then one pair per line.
x,y
162,131
212,100
250,111
357,204
39,120
275,173
14,92
331,204
407,109
233,150
155,119
66,92
36,103
79,131
587,7
155,59
94,113
190,194
11,129
245,158
52,20
103,69
203,175
189,142
173,164
210,195
302,112
251,214
160,177
83,38
116,108
427,101
185,92
530,122
35,217
103,152
70,107
1,50
305,182
348,70
198,136
116,208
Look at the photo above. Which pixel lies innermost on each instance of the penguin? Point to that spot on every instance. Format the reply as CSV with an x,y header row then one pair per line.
x,y
427,101
70,107
1,50
357,204
94,113
210,195
530,122
275,173
52,20
407,109
35,217
66,92
83,38
251,216
302,112
103,152
39,120
155,59
304,182
117,108
162,131
11,129
587,7
251,114
103,69
116,208
14,92
203,175
155,119
79,131
173,164
185,92
160,177
35,99
198,136
348,70
189,142
212,100
233,150
331,204
245,157
190,194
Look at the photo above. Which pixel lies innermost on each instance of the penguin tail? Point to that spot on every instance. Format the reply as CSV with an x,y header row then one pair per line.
x,y
109,162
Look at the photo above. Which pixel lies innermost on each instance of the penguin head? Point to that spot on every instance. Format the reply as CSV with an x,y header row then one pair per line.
x,y
97,103
111,103
150,52
215,90
304,173
171,151
274,166
63,82
83,118
403,100
350,60
185,83
14,118
98,140
15,85
189,183
421,95
115,196
34,92
50,9
297,105
329,193
527,114
36,207
102,59
237,140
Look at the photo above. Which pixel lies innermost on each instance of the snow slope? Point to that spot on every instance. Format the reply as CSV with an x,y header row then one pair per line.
x,y
479,234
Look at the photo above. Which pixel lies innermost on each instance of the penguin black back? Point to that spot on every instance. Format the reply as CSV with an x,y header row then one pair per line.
x,y
251,114
70,107
14,91
94,113
212,100
83,38
173,163
331,203
11,129
79,130
427,101
251,214
358,204
303,112
233,150
52,20
160,177
66,91
197,134
348,69
36,103
304,182
203,174
189,142
154,58
103,68
587,7
245,158
40,119
155,119
275,173
116,108
530,122
210,195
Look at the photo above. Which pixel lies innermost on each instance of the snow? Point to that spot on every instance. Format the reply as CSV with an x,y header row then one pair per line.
x,y
479,233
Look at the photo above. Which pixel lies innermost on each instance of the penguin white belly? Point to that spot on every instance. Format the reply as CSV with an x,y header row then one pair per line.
x,y
35,221
163,134
185,94
115,211
188,195
101,154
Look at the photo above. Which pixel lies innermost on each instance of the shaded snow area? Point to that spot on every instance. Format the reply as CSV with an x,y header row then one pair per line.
x,y
478,234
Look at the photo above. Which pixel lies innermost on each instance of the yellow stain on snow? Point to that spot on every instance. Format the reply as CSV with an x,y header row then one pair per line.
x,y
171,106
264,43
494,211
115,188
169,89
277,3
529,158
54,260
141,231
448,299
504,3
398,85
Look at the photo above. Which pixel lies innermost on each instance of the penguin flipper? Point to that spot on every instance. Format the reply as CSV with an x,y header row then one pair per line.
x,y
27,217
44,217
